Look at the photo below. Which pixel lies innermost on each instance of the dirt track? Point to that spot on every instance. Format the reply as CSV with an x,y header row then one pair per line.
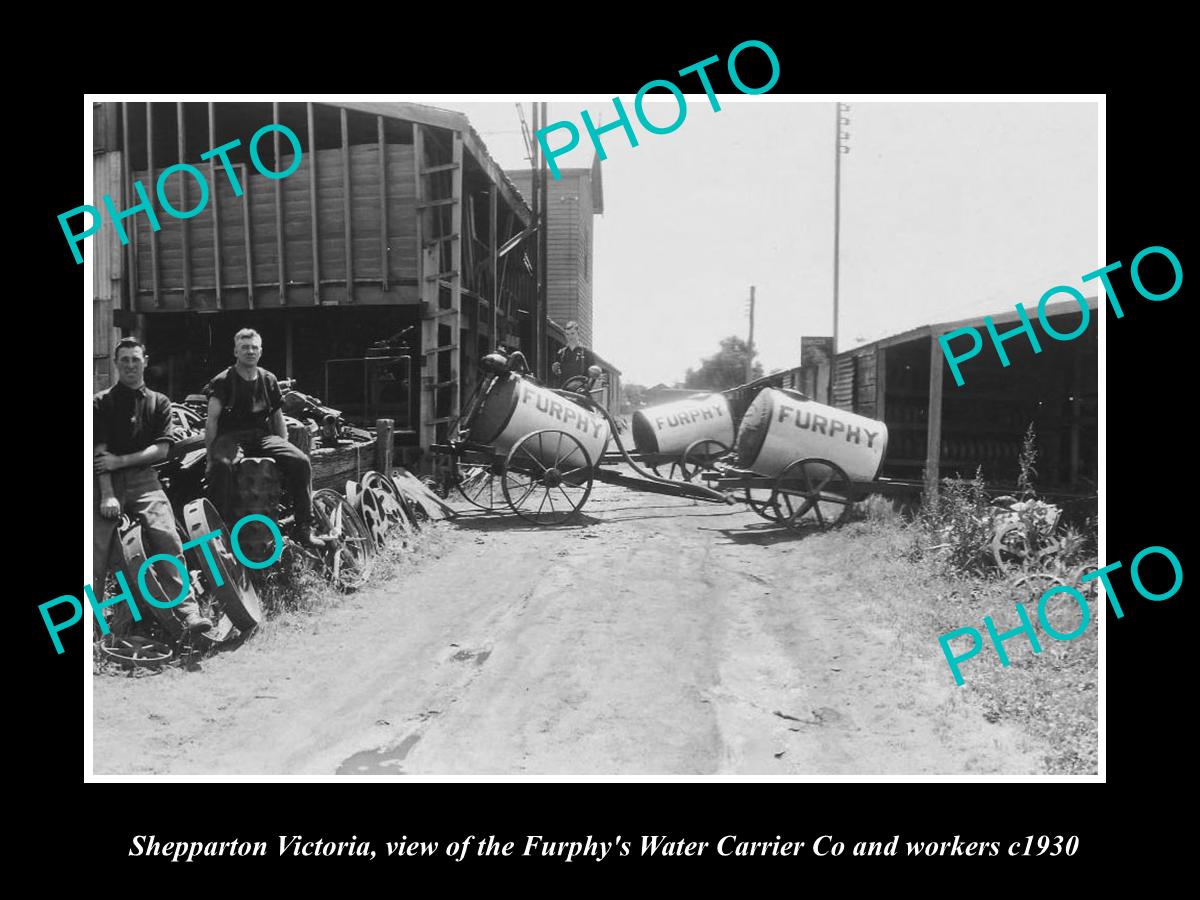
x,y
661,636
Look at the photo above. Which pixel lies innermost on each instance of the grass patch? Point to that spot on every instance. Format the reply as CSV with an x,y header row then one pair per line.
x,y
1050,696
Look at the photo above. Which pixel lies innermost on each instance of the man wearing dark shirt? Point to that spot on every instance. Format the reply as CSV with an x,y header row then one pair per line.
x,y
245,409
131,432
572,359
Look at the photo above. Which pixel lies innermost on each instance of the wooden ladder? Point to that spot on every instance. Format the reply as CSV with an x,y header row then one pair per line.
x,y
439,197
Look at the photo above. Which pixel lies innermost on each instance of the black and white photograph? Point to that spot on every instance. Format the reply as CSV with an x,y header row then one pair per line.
x,y
684,435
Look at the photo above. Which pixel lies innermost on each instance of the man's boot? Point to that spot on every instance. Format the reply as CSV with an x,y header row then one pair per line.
x,y
196,623
188,617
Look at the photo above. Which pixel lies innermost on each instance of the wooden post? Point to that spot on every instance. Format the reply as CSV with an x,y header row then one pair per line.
x,y
312,205
126,194
248,237
346,209
494,266
384,429
933,434
158,301
1076,402
279,247
186,242
383,216
880,383
216,206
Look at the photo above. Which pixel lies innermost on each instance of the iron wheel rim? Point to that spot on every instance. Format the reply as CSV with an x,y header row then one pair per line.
x,y
547,477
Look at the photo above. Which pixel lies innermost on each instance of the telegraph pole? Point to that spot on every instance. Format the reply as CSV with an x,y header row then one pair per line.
x,y
837,208
750,343
543,264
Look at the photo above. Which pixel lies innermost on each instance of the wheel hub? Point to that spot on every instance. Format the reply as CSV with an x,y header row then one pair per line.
x,y
552,478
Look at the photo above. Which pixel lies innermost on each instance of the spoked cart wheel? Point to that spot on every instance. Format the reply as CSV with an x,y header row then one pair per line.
x,y
391,504
812,493
547,477
479,484
350,550
759,500
236,594
366,504
134,650
699,457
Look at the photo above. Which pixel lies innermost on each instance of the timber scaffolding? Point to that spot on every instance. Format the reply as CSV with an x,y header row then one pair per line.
x,y
397,224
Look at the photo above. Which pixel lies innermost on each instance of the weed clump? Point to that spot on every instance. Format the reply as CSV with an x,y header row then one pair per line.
x,y
971,532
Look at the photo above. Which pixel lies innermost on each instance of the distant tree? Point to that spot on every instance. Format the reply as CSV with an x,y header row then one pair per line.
x,y
634,394
726,369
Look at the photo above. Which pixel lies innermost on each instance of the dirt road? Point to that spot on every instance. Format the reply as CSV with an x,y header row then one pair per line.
x,y
661,636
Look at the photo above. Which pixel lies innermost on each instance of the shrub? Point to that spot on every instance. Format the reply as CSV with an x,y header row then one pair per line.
x,y
977,535
959,520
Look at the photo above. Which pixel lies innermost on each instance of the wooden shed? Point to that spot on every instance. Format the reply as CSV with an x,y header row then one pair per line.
x,y
373,270
938,428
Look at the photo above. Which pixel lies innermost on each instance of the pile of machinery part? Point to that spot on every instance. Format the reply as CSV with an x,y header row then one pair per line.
x,y
378,507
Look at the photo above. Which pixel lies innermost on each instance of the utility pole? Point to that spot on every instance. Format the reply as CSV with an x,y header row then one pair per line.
x,y
750,343
544,265
837,210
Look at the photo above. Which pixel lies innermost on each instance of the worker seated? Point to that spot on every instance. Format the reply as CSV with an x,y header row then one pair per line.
x,y
245,411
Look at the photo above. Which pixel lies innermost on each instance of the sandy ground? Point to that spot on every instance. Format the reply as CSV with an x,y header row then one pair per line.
x,y
660,636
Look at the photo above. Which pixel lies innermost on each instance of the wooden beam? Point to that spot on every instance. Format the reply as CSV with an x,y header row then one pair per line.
x,y
493,207
418,150
279,213
312,201
183,204
384,429
456,227
933,432
248,232
427,406
126,191
383,216
216,206
158,301
346,212
1076,413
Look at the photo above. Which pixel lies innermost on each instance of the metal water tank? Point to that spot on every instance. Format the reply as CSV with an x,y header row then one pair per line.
x,y
516,407
669,429
781,427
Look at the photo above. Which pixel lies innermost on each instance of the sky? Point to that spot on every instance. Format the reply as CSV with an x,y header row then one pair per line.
x,y
948,211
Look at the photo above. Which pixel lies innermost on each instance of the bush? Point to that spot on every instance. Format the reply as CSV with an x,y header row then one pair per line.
x,y
975,534
959,520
